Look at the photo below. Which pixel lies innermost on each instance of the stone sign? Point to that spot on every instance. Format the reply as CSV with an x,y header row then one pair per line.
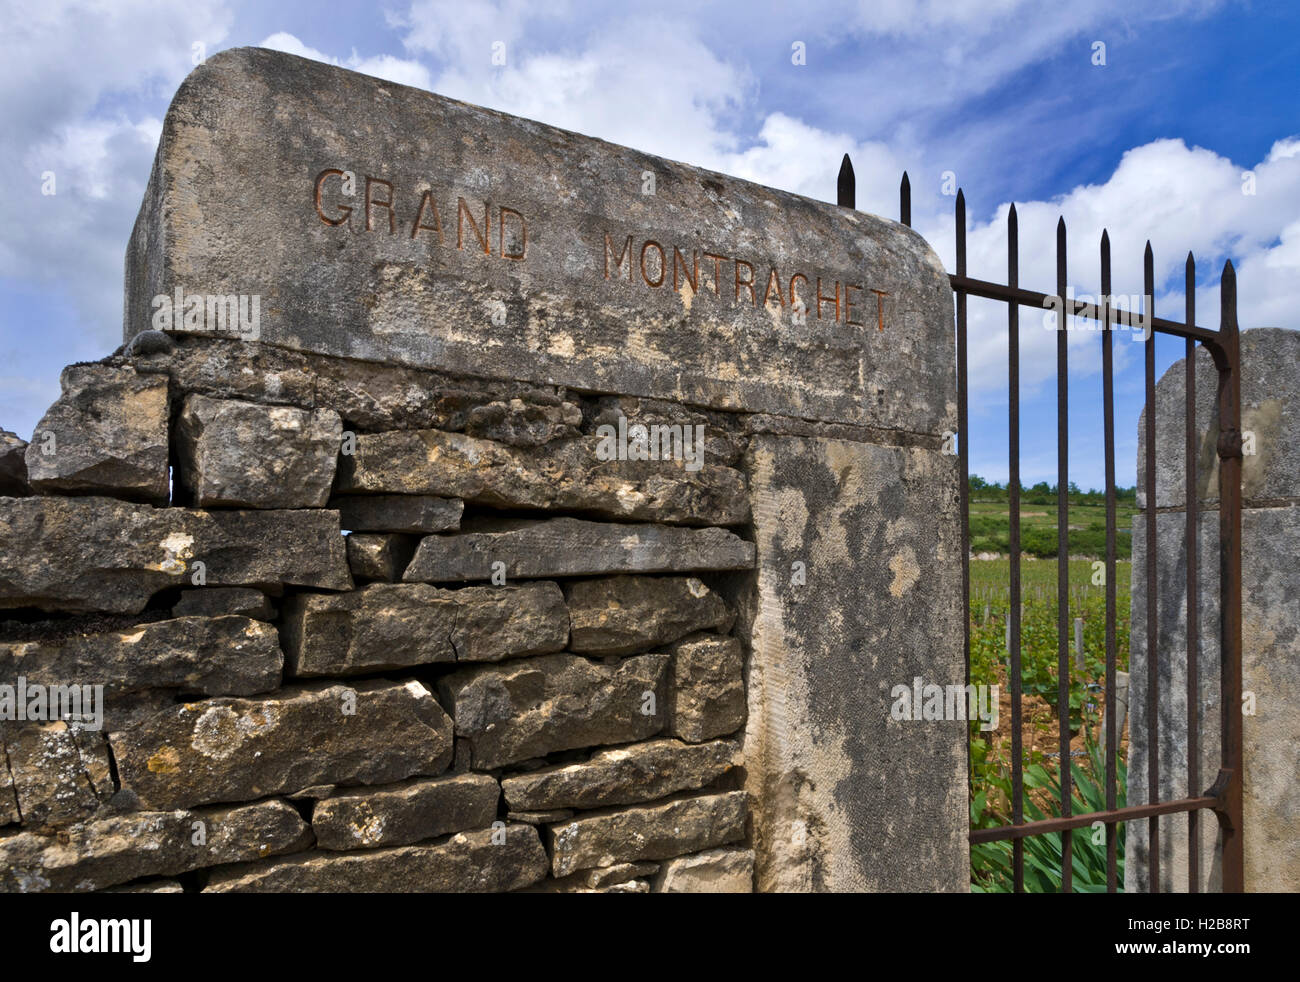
x,y
346,215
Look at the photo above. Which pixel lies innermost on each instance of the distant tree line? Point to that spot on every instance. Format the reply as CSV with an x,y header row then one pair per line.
x,y
1043,493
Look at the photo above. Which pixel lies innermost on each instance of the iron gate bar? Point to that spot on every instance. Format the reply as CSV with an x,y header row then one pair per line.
x,y
1013,510
1224,798
963,453
1108,414
1227,358
1153,674
1030,298
1191,534
1110,816
1063,562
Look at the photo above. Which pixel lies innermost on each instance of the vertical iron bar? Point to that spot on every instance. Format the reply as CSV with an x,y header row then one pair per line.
x,y
1063,557
963,451
1013,504
905,201
846,185
1153,660
1108,426
1229,448
1193,590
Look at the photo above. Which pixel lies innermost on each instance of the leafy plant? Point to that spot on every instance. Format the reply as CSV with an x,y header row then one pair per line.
x,y
991,862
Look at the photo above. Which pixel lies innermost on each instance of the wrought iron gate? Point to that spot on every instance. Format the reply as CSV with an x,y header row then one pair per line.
x,y
1224,795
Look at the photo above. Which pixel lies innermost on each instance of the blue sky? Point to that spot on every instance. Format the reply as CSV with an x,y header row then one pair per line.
x,y
1002,93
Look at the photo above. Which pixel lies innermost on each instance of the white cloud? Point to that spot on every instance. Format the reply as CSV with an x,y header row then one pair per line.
x,y
1180,198
82,88
633,83
62,65
403,71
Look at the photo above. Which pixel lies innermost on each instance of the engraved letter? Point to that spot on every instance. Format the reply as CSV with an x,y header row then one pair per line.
x,y
462,213
773,281
748,284
880,309
694,281
848,304
370,201
624,253
663,267
521,242
345,209
717,270
821,300
426,200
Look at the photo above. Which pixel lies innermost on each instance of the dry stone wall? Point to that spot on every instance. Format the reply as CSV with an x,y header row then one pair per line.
x,y
301,697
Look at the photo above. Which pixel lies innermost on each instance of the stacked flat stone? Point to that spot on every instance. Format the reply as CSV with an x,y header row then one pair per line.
x,y
315,657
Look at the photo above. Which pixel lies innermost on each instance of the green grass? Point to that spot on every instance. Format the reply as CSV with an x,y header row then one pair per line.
x,y
990,528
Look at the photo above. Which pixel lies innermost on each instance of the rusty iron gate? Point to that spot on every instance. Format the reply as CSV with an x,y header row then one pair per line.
x,y
1224,795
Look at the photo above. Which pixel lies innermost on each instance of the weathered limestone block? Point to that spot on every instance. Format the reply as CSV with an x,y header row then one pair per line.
x,y
149,886
535,706
837,784
724,440
233,656
379,557
240,749
60,774
728,870
9,813
541,818
399,814
1270,418
410,513
620,878
623,775
120,848
378,627
468,862
383,626
606,297
524,424
572,547
243,455
623,614
121,712
13,466
216,601
106,434
706,694
373,396
82,554
566,475
630,886
658,831
512,621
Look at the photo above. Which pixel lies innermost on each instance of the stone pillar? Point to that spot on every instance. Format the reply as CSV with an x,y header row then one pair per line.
x,y
381,223
1270,406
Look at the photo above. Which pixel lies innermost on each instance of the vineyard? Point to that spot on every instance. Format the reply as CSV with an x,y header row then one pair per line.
x,y
991,752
